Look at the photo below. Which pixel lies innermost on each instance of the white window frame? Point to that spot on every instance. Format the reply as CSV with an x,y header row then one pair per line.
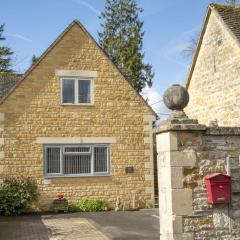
x,y
45,160
76,79
62,146
77,153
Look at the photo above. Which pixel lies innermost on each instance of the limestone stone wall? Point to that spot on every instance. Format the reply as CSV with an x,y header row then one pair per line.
x,y
34,110
212,149
187,153
215,84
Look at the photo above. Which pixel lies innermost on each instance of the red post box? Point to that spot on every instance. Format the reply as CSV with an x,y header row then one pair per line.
x,y
218,188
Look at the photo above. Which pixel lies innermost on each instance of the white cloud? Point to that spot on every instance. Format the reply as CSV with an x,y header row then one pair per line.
x,y
176,46
179,47
87,5
191,31
19,36
155,101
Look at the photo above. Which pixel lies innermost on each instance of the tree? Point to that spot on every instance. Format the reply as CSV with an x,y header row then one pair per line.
x,y
122,40
5,53
34,59
189,50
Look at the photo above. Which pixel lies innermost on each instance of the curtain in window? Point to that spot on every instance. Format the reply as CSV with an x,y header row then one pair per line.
x,y
100,159
68,91
84,91
53,160
77,164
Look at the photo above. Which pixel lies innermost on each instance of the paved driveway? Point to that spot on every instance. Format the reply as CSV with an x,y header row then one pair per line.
x,y
89,226
136,225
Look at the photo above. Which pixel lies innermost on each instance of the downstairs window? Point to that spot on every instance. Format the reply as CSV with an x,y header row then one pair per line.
x,y
76,160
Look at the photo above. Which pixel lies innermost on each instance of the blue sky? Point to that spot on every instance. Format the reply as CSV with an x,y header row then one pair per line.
x,y
32,25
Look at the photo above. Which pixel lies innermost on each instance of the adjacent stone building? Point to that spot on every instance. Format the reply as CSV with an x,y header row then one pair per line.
x,y
214,79
188,153
188,150
76,125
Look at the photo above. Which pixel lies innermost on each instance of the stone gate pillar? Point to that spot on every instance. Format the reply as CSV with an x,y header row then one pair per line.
x,y
175,199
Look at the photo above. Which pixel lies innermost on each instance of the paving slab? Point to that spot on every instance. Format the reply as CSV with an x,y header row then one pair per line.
x,y
61,227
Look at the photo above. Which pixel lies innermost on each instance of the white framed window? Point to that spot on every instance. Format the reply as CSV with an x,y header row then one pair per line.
x,y
76,91
76,160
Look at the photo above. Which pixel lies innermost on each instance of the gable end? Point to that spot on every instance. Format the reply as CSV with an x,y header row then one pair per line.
x,y
229,17
75,22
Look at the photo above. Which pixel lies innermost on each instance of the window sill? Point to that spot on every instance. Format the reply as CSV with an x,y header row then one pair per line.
x,y
73,181
77,104
76,176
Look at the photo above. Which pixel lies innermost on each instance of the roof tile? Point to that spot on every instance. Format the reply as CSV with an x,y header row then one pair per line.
x,y
231,17
7,81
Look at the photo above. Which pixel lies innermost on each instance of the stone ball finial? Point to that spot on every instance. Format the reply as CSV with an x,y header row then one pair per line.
x,y
176,97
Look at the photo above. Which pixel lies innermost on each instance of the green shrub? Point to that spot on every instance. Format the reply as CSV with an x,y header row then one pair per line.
x,y
16,195
89,206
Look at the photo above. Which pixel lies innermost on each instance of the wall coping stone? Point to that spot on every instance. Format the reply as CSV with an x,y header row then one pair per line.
x,y
179,127
214,131
178,121
223,131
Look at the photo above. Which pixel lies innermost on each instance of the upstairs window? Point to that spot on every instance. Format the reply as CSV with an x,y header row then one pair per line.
x,y
76,160
68,91
77,91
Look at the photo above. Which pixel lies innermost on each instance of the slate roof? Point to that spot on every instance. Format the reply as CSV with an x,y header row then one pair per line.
x,y
231,17
7,81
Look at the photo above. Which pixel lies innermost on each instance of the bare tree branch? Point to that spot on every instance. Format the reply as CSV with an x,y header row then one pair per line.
x,y
191,46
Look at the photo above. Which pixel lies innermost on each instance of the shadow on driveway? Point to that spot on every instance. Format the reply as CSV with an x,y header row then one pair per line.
x,y
128,225
23,228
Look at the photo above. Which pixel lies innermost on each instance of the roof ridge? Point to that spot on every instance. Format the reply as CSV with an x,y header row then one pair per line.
x,y
216,5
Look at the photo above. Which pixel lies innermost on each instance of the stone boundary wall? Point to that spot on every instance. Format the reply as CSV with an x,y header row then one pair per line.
x,y
185,157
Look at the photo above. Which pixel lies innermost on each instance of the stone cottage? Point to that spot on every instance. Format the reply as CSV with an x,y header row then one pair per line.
x,y
214,78
75,124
